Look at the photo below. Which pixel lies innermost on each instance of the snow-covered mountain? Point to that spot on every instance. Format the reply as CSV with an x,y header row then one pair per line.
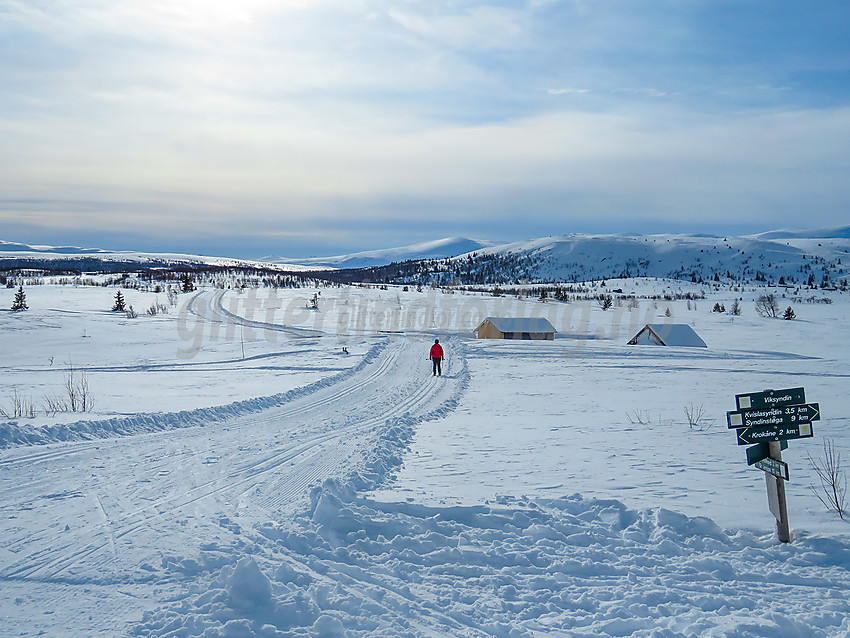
x,y
818,256
841,232
13,248
577,257
18,255
439,249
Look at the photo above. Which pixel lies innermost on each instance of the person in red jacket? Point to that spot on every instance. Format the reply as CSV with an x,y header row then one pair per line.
x,y
437,357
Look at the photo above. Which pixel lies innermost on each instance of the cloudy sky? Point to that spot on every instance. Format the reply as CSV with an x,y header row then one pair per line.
x,y
306,127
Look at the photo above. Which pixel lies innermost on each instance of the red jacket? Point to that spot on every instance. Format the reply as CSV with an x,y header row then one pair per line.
x,y
436,351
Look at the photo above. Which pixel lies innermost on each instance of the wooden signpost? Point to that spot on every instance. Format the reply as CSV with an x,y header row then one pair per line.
x,y
769,419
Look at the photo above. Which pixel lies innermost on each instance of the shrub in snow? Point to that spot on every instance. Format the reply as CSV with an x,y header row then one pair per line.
x,y
157,308
77,390
833,480
789,314
22,407
53,404
767,306
697,417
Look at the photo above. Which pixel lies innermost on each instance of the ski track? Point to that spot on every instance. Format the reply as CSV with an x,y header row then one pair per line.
x,y
181,482
224,316
13,434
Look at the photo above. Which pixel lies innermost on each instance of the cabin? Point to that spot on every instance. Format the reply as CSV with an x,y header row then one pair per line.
x,y
668,334
525,328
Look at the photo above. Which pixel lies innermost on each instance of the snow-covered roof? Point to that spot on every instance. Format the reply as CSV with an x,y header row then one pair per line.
x,y
673,334
520,324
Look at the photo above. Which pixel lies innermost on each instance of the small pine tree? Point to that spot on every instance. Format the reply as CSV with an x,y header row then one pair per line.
x,y
20,302
188,286
119,303
789,314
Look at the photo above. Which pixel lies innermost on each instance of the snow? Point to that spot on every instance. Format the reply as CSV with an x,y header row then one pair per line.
x,y
438,249
839,232
15,250
584,257
535,489
518,567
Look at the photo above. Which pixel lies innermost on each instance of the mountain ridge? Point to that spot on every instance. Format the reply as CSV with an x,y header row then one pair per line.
x,y
435,249
792,257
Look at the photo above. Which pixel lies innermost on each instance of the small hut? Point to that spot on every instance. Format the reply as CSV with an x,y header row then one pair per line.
x,y
515,328
668,334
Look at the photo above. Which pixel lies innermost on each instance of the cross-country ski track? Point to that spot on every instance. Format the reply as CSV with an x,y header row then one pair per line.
x,y
116,510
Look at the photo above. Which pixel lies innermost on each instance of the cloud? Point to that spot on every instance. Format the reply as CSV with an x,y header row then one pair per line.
x,y
568,91
263,115
645,92
475,27
253,175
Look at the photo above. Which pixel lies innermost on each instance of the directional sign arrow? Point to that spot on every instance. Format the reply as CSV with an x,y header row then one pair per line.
x,y
747,436
762,451
770,398
778,468
785,415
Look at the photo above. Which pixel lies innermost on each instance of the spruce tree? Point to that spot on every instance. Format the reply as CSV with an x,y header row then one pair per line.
x,y
20,302
188,286
119,303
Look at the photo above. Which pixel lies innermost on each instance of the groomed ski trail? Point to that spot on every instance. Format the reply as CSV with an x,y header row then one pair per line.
x,y
126,510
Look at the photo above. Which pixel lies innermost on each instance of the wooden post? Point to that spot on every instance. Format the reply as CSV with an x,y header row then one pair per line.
x,y
783,531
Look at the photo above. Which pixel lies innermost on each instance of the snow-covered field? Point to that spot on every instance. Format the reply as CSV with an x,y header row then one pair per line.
x,y
253,467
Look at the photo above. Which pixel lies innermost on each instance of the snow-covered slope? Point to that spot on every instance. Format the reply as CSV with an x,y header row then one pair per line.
x,y
89,258
15,248
840,232
439,249
672,255
818,256
577,257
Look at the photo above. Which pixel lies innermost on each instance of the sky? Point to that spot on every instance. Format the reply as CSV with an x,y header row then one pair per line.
x,y
314,127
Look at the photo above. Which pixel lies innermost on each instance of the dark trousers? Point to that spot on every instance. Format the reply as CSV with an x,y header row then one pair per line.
x,y
437,368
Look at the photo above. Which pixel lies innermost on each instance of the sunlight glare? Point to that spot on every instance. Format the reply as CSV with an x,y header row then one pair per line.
x,y
211,15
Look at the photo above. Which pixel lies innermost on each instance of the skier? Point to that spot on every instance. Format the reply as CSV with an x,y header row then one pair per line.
x,y
437,357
